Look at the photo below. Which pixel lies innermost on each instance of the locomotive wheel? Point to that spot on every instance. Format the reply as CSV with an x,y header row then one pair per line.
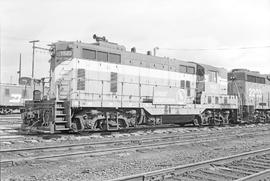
x,y
151,121
46,118
197,121
211,121
268,119
74,127
221,121
217,122
263,119
102,125
122,124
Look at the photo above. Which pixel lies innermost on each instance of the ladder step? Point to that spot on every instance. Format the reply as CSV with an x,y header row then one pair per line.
x,y
60,115
63,96
59,112
60,128
59,107
60,122
59,101
60,119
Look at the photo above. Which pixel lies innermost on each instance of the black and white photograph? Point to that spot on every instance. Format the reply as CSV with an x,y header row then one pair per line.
x,y
134,90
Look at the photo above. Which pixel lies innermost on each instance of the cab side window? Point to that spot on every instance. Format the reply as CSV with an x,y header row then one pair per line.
x,y
212,76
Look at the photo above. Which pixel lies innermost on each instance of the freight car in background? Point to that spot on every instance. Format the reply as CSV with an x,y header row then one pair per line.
x,y
102,86
253,90
13,96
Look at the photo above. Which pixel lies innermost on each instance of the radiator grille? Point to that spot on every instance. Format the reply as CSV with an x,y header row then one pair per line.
x,y
113,82
81,79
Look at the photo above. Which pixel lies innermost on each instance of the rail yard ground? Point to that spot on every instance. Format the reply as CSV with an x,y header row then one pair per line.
x,y
110,156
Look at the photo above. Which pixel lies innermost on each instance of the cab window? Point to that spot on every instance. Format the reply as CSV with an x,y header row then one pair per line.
x,y
102,56
88,54
212,76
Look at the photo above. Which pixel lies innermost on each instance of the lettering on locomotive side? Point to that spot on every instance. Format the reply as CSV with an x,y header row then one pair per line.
x,y
254,92
169,96
15,98
66,53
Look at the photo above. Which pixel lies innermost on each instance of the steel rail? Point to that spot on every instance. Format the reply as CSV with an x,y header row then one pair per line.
x,y
185,133
143,127
101,143
163,173
263,175
112,150
181,136
96,132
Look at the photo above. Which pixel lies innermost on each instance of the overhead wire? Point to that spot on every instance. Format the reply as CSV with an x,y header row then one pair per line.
x,y
15,38
214,49
164,48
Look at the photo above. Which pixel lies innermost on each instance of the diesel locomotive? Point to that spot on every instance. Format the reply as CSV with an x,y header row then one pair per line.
x,y
253,90
103,86
13,96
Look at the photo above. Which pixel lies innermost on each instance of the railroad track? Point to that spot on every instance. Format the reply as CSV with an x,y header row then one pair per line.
x,y
15,135
108,147
248,166
185,135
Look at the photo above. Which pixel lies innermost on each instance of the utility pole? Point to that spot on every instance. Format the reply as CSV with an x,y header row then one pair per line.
x,y
155,50
33,56
0,55
20,68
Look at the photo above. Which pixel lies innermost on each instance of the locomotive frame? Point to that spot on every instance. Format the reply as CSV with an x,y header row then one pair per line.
x,y
13,96
102,86
253,89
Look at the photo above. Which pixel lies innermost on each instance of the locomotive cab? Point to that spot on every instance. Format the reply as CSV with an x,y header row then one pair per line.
x,y
253,90
211,93
211,85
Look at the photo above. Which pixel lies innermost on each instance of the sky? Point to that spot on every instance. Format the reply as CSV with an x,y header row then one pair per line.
x,y
223,33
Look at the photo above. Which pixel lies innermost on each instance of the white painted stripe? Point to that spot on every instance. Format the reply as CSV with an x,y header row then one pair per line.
x,y
121,69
